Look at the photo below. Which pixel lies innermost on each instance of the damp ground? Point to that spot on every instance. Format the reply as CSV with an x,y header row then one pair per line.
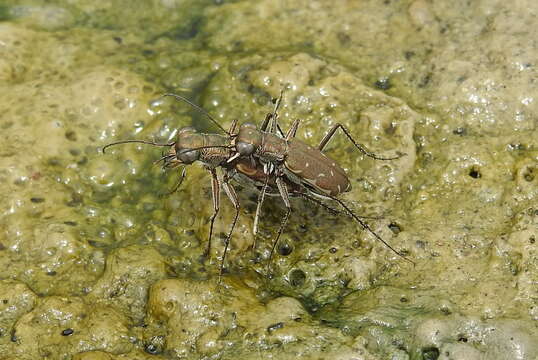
x,y
97,262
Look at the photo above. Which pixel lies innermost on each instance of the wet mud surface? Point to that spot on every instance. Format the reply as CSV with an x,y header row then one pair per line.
x,y
97,262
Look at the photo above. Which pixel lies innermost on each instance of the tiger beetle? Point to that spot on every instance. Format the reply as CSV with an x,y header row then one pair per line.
x,y
275,164
289,160
214,151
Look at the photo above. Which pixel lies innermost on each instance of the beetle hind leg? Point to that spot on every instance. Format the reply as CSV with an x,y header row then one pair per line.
x,y
361,148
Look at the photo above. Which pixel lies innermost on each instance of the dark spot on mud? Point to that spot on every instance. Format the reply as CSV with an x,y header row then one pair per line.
x,y
276,326
383,84
516,146
51,273
189,232
529,174
151,349
285,249
70,223
420,244
37,200
395,228
54,162
445,310
76,199
462,339
343,38
148,52
297,278
67,332
475,173
82,161
425,81
461,131
430,353
409,54
71,135
391,129
403,299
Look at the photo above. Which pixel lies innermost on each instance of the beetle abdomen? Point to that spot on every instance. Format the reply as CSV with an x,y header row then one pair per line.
x,y
316,169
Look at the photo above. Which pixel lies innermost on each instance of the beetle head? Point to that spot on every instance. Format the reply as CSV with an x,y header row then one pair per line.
x,y
188,144
248,139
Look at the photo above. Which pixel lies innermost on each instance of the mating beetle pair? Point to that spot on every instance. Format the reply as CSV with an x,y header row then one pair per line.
x,y
274,162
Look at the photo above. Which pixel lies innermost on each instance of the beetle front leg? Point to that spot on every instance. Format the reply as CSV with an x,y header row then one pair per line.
x,y
271,118
178,185
292,130
274,124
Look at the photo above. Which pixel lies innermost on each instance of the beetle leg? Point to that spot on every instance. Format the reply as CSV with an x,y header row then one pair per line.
x,y
215,191
176,188
366,227
265,122
273,116
361,148
233,127
273,123
316,201
232,195
319,203
261,197
285,197
293,130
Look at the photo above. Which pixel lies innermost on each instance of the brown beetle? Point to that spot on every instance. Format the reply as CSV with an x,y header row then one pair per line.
x,y
291,160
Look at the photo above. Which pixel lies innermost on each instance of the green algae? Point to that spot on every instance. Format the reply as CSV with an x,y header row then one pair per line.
x,y
89,244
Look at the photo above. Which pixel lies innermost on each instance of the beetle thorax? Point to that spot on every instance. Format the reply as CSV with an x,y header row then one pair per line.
x,y
274,149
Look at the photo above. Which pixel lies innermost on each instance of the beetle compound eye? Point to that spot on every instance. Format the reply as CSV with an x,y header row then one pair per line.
x,y
188,157
245,149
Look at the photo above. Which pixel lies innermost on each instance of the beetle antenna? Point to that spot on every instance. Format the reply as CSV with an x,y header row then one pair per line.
x,y
177,186
136,141
198,108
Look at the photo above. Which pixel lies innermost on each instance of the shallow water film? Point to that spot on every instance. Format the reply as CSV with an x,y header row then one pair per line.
x,y
98,262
